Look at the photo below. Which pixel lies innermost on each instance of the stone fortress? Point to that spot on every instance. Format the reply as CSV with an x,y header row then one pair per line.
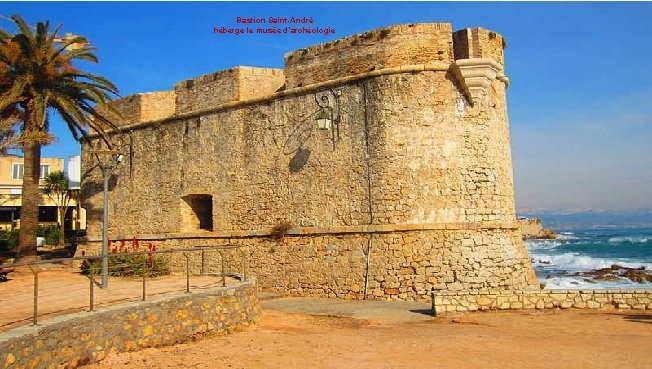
x,y
375,166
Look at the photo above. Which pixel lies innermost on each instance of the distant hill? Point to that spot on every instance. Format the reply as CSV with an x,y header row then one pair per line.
x,y
562,219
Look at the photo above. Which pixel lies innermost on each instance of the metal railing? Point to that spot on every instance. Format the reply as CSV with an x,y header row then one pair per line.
x,y
59,285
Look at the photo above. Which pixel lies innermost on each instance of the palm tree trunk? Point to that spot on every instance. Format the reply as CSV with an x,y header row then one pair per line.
x,y
30,199
62,225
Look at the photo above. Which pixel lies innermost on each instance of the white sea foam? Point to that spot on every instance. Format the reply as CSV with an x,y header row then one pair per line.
x,y
558,261
556,283
575,262
567,283
567,236
629,239
542,244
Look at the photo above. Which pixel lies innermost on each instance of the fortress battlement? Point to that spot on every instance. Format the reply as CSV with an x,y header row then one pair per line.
x,y
143,107
235,84
432,46
409,44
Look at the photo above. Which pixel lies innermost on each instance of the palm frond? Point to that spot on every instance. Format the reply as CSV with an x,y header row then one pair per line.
x,y
54,34
82,54
22,26
66,44
25,45
100,82
4,35
11,139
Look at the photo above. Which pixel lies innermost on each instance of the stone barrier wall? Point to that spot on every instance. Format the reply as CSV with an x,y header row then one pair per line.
x,y
381,263
86,337
544,299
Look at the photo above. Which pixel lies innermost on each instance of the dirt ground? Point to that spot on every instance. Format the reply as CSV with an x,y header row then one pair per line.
x,y
323,333
550,339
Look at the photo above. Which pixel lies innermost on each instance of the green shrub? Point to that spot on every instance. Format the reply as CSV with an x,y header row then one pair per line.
x,y
9,238
127,265
50,233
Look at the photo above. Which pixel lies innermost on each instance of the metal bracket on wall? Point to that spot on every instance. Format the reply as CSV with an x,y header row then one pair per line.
x,y
329,102
124,144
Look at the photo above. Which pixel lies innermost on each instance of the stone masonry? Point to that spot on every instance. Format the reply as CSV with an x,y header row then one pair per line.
x,y
447,302
71,340
409,190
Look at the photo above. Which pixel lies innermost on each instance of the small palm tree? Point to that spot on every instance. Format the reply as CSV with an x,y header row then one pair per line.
x,y
38,75
55,186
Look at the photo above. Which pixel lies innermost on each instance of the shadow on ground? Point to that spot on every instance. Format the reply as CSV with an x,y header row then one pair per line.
x,y
393,311
638,318
423,311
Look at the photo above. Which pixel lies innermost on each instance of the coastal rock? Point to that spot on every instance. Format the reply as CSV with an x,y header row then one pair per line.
x,y
606,277
532,228
637,275
615,272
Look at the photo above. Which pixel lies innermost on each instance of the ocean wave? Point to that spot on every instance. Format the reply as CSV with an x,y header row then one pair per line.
x,y
630,239
579,263
567,236
568,283
556,283
542,244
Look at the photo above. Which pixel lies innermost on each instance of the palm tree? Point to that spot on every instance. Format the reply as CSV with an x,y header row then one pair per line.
x,y
37,76
55,186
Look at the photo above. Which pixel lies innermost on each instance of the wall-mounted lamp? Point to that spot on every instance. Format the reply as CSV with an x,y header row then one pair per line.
x,y
323,118
328,117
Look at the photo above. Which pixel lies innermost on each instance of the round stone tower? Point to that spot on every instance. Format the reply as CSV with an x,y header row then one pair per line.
x,y
387,153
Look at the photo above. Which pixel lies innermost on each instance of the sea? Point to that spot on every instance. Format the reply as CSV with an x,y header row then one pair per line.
x,y
559,263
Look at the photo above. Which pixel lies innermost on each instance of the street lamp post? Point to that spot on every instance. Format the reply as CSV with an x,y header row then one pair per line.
x,y
108,160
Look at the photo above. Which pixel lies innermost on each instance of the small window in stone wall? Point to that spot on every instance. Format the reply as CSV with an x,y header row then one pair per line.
x,y
196,213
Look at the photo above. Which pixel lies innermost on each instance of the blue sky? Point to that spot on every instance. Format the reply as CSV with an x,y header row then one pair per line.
x,y
580,100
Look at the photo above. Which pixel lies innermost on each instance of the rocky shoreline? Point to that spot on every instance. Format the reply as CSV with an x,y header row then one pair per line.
x,y
616,272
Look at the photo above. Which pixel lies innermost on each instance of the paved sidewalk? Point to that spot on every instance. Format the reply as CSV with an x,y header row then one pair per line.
x,y
64,290
388,311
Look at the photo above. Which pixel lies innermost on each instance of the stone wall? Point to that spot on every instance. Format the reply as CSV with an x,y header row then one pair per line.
x,y
546,299
235,84
479,43
414,167
142,107
408,44
384,262
87,337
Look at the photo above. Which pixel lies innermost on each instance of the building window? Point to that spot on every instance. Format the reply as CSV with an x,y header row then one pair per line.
x,y
197,213
45,170
47,214
17,171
